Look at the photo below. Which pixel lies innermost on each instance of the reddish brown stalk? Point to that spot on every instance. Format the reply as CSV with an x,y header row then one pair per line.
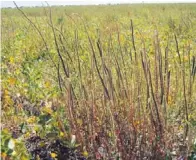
x,y
177,49
133,40
185,98
96,64
155,105
156,71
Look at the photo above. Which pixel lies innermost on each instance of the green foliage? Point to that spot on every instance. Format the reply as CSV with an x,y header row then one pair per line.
x,y
13,147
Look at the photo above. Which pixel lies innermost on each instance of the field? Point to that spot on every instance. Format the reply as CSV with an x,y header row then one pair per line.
x,y
107,82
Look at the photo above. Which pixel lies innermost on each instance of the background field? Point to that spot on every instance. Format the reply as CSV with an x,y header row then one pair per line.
x,y
113,81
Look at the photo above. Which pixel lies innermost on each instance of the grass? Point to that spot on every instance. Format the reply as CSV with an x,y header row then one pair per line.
x,y
121,78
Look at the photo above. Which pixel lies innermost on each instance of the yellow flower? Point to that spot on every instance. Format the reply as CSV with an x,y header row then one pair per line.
x,y
53,155
11,81
85,154
3,155
7,99
136,123
11,60
27,135
110,134
6,92
31,119
47,110
180,128
24,157
62,134
47,84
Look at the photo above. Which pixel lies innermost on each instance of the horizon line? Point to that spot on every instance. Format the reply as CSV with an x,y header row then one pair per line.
x,y
131,3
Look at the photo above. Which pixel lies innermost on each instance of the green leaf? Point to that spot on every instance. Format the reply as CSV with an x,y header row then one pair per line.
x,y
9,152
11,144
44,118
